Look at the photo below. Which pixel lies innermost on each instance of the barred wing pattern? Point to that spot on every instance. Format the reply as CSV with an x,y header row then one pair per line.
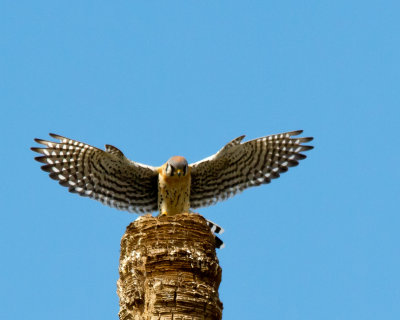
x,y
238,166
107,176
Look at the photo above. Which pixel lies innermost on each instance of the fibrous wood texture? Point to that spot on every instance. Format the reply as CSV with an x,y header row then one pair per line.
x,y
169,270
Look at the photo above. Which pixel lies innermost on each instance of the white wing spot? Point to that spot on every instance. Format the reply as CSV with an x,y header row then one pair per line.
x,y
61,177
46,152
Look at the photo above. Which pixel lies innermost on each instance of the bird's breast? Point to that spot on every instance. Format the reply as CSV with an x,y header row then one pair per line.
x,y
173,194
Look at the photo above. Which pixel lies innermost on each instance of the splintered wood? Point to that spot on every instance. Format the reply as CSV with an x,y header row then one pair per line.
x,y
169,270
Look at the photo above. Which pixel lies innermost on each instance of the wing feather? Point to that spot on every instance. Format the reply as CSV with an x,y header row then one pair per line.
x,y
107,176
238,166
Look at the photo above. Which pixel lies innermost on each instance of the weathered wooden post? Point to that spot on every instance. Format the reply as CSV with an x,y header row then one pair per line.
x,y
169,270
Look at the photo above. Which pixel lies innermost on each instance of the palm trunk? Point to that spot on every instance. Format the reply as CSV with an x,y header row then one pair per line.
x,y
169,270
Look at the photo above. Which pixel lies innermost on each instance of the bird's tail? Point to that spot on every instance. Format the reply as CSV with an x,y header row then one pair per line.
x,y
216,229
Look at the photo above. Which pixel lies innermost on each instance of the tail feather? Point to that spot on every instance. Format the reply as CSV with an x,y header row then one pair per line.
x,y
216,229
219,244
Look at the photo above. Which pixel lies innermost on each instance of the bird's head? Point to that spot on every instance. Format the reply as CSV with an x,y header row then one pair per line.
x,y
176,166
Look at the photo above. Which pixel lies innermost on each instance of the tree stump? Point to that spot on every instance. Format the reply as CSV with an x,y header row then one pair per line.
x,y
169,270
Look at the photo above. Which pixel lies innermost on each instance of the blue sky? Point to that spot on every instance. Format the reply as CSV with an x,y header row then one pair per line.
x,y
161,78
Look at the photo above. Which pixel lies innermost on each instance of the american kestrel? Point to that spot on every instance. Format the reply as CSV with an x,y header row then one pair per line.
x,y
176,186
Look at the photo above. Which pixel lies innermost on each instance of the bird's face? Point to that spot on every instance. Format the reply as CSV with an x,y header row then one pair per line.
x,y
176,167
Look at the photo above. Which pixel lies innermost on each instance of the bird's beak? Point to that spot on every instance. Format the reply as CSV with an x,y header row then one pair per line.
x,y
179,172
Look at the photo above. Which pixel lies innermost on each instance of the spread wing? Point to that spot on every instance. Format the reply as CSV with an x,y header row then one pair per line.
x,y
107,176
238,166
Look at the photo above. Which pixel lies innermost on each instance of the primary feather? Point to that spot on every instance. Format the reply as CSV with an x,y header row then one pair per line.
x,y
107,176
238,166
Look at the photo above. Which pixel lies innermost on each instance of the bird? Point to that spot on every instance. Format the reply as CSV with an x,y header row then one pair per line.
x,y
176,186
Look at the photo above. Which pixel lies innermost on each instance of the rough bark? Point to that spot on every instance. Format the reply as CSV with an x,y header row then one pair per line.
x,y
169,270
